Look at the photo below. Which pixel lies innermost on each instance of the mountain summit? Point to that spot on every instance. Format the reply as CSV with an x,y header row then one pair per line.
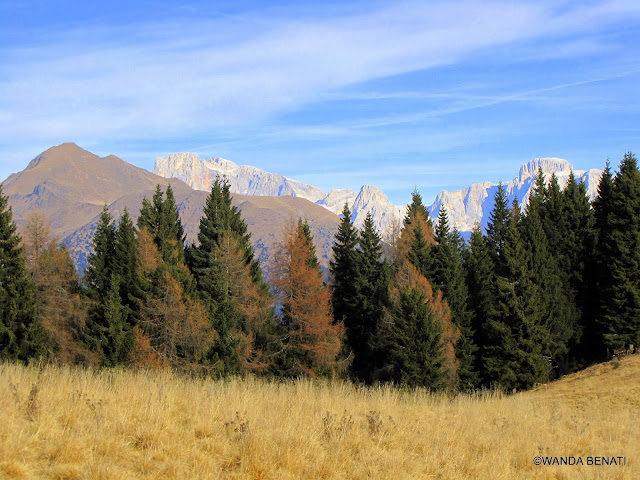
x,y
70,186
465,207
199,174
474,204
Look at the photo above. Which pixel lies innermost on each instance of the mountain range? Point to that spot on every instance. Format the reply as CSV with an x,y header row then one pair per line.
x,y
71,185
199,174
464,207
474,204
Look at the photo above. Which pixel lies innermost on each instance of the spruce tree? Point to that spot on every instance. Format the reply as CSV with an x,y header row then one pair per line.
x,y
100,262
98,282
21,335
113,283
619,312
578,227
162,219
171,230
305,230
415,340
448,275
576,248
416,353
480,279
372,298
126,264
597,277
220,225
544,267
117,331
416,209
499,221
517,340
343,268
420,251
552,216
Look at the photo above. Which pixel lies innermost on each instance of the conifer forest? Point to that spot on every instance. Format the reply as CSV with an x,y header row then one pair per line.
x,y
544,291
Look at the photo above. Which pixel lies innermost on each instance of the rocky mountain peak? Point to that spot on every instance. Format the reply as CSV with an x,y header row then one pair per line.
x,y
549,166
222,164
372,200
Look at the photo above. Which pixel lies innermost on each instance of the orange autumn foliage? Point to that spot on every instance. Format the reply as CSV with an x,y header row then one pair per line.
x,y
253,305
62,310
313,341
408,277
175,329
143,355
403,243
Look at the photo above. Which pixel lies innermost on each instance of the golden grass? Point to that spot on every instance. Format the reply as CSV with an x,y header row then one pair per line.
x,y
65,423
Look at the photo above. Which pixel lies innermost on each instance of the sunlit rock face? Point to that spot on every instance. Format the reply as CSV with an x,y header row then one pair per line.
x,y
465,207
199,174
473,205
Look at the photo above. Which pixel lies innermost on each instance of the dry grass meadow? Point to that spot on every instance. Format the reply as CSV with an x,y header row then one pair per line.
x,y
63,423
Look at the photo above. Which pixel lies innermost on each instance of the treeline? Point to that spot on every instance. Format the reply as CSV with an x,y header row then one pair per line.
x,y
540,294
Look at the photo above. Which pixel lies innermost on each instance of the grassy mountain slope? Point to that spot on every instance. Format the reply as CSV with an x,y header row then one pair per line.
x,y
71,185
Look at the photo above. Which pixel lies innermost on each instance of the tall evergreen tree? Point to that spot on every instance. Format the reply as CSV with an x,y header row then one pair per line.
x,y
100,262
220,225
499,221
619,244
171,230
598,280
21,335
416,209
480,278
576,247
552,215
372,298
517,340
420,251
305,230
412,349
117,331
415,341
126,264
448,275
417,353
98,282
113,283
543,264
344,269
162,219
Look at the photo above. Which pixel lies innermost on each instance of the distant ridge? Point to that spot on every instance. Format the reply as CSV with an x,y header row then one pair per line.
x,y
473,205
464,207
246,180
71,185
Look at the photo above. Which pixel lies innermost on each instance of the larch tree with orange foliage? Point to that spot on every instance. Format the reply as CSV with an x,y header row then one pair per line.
x,y
312,342
416,341
62,310
174,328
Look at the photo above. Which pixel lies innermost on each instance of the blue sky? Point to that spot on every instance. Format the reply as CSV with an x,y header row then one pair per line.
x,y
435,95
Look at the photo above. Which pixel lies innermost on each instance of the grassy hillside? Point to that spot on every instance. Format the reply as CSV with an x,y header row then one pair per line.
x,y
66,424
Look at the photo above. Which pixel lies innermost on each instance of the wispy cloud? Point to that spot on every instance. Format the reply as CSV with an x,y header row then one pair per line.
x,y
164,78
194,75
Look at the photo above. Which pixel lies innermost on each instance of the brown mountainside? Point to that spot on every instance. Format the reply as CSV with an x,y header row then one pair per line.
x,y
71,185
